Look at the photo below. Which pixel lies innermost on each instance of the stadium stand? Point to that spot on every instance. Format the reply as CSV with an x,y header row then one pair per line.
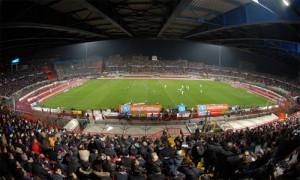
x,y
10,82
30,150
78,68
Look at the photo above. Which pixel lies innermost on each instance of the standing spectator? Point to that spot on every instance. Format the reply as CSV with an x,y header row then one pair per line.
x,y
36,146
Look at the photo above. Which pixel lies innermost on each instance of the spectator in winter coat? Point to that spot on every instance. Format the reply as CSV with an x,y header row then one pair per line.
x,y
85,171
154,166
100,173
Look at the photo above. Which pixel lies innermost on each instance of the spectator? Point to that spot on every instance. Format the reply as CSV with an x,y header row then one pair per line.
x,y
36,147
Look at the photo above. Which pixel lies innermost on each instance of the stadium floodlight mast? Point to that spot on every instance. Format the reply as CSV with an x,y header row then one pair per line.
x,y
86,49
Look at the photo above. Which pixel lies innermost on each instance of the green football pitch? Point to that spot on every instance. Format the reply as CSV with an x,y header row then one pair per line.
x,y
107,93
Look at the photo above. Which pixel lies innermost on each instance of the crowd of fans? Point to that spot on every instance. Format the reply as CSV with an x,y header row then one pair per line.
x,y
78,67
12,81
29,150
143,64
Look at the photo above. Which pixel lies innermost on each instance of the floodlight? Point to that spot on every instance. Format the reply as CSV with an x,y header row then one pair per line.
x,y
286,2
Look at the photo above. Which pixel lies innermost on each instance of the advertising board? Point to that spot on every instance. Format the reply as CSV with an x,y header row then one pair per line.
x,y
212,109
140,108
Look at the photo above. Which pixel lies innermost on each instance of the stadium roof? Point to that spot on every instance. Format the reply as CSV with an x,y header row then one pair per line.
x,y
259,26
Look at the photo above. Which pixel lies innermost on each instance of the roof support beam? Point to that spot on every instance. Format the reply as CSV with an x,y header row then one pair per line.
x,y
244,15
289,46
100,13
197,21
76,11
53,2
210,11
235,2
175,13
51,27
42,39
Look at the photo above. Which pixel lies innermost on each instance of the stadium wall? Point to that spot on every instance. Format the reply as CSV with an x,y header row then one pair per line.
x,y
174,50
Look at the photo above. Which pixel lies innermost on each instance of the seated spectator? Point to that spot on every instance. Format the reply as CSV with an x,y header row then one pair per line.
x,y
154,167
85,171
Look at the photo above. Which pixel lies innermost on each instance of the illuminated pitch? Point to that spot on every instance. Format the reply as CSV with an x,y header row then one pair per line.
x,y
109,93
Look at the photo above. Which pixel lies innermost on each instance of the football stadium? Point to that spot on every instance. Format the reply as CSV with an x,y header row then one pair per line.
x,y
149,89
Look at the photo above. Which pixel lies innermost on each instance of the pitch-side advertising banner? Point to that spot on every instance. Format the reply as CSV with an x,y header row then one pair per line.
x,y
212,109
140,109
